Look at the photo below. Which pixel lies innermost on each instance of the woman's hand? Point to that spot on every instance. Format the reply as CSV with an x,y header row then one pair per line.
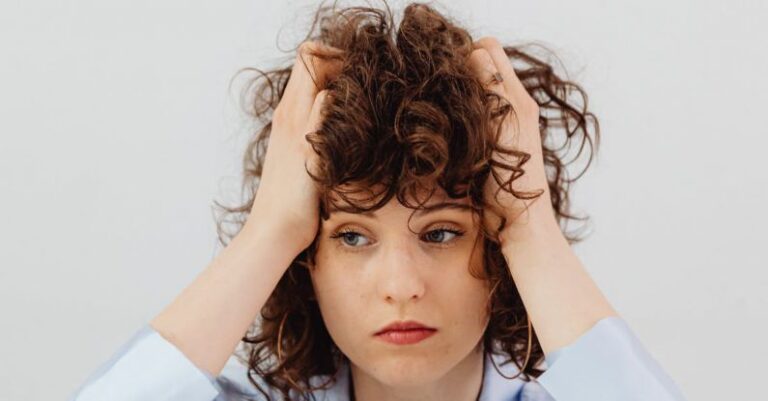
x,y
201,321
520,130
287,199
560,297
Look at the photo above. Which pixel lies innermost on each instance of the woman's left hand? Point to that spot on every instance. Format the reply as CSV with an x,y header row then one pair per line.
x,y
520,131
560,298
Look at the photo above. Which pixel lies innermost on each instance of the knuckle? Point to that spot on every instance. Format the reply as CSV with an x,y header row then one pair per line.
x,y
307,47
488,41
481,57
483,66
306,51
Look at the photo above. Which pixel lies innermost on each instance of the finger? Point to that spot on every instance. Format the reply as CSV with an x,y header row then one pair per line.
x,y
316,115
309,74
314,123
482,65
514,88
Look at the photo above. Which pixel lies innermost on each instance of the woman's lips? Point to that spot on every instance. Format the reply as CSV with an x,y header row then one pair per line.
x,y
403,337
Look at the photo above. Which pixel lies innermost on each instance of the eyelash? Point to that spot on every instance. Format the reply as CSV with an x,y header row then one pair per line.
x,y
339,234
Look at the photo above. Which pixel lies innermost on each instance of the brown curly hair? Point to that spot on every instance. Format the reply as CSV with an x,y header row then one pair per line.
x,y
405,114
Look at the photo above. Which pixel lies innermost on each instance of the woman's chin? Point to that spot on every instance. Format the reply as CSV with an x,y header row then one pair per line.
x,y
402,371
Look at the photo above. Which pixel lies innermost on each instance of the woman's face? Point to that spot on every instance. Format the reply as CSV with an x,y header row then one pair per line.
x,y
375,271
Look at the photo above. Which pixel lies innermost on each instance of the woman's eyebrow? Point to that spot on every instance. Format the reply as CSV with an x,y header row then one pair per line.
x,y
442,206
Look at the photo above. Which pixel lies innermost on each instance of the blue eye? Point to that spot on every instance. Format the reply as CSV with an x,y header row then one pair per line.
x,y
440,237
350,237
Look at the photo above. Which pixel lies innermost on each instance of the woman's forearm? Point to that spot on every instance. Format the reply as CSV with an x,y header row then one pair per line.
x,y
208,318
561,298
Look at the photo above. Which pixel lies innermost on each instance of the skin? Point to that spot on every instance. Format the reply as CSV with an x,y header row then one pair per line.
x,y
201,321
397,277
561,299
379,272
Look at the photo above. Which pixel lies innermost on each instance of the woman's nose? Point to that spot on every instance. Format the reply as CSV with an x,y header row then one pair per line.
x,y
401,272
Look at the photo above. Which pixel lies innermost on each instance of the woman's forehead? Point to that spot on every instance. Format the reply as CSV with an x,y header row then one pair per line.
x,y
367,197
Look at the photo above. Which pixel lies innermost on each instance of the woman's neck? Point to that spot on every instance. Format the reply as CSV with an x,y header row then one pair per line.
x,y
462,383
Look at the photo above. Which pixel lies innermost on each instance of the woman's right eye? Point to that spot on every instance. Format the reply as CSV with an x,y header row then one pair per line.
x,y
348,237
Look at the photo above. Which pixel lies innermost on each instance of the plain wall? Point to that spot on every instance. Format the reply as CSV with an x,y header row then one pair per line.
x,y
118,130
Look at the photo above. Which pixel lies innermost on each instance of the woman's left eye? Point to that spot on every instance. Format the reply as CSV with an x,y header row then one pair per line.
x,y
435,235
352,238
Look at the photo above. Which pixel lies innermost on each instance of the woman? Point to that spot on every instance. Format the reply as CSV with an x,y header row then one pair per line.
x,y
386,253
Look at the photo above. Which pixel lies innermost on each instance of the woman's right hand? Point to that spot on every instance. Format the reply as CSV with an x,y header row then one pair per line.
x,y
284,217
287,198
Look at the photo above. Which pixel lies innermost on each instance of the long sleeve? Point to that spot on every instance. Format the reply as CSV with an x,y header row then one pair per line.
x,y
608,362
147,367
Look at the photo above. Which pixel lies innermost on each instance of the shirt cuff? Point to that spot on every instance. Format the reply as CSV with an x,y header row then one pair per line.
x,y
608,362
148,367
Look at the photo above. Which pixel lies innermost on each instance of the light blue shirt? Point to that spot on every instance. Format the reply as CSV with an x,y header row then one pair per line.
x,y
608,362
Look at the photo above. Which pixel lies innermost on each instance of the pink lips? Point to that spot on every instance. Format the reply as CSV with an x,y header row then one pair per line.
x,y
402,337
402,333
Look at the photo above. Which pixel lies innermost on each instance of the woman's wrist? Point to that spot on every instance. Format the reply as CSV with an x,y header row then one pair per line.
x,y
536,225
263,228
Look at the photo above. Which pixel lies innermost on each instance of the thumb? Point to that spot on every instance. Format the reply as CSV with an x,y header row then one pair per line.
x,y
314,123
316,115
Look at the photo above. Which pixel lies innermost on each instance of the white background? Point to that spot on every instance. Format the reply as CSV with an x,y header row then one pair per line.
x,y
118,130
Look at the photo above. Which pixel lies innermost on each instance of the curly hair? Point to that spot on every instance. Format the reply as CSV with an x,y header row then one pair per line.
x,y
405,114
